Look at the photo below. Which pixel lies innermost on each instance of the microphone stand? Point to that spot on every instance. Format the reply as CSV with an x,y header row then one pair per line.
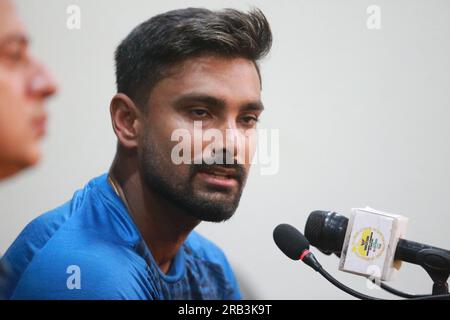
x,y
435,261
434,269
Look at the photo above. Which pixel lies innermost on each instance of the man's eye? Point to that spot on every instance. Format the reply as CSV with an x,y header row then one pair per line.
x,y
250,120
14,56
199,113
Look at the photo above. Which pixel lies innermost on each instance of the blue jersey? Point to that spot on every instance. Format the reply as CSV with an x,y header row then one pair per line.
x,y
90,248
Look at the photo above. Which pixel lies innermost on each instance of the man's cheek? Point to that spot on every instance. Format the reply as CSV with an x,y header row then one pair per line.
x,y
8,90
13,112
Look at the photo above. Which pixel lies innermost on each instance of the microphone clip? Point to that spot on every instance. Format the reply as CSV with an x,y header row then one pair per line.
x,y
437,264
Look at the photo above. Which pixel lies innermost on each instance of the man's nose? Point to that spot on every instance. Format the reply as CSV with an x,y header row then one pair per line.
x,y
233,140
42,84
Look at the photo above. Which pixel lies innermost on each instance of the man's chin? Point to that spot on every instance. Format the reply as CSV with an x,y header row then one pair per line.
x,y
212,209
213,217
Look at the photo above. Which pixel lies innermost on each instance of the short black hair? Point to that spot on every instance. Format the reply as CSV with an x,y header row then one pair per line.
x,y
163,40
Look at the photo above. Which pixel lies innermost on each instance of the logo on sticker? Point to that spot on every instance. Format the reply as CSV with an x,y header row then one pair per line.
x,y
368,243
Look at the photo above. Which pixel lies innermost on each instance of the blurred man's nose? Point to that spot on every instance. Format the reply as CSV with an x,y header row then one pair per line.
x,y
42,83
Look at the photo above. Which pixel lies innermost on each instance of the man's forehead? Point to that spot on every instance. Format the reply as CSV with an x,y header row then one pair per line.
x,y
10,24
212,64
212,75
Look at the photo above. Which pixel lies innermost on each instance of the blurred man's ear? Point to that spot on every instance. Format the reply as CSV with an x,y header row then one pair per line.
x,y
125,117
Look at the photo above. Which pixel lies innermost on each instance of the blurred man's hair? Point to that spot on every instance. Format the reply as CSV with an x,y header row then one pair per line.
x,y
154,46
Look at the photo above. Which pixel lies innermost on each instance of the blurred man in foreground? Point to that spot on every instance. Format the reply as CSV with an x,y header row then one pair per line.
x,y
24,87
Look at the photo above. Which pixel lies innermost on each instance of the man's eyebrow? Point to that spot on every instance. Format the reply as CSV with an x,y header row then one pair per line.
x,y
212,101
257,106
14,38
192,98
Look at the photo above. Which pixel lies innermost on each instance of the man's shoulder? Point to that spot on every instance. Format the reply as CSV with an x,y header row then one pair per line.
x,y
40,230
83,269
46,225
33,238
53,244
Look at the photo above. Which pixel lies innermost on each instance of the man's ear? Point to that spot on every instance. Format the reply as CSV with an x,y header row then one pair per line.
x,y
125,118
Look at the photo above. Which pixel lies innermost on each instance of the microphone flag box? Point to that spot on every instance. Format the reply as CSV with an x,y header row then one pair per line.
x,y
370,243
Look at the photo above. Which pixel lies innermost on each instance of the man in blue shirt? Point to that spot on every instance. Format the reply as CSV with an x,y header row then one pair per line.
x,y
129,234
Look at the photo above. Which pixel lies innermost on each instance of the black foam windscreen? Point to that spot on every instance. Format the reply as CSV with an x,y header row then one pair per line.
x,y
289,240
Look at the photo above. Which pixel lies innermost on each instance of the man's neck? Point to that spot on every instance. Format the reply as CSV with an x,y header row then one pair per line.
x,y
163,226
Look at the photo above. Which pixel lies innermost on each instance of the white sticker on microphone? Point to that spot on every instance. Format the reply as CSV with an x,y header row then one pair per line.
x,y
370,242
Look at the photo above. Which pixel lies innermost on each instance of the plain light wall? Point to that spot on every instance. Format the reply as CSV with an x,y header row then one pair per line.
x,y
364,119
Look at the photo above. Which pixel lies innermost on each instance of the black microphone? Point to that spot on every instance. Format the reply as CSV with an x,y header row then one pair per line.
x,y
295,245
325,230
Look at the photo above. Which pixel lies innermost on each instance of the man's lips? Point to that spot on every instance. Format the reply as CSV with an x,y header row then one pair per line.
x,y
40,124
220,176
